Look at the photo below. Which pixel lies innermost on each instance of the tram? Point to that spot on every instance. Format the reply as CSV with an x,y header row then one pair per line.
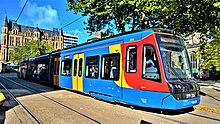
x,y
148,68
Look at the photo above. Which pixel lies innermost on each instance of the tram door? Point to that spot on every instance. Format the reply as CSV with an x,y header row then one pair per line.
x,y
78,72
56,71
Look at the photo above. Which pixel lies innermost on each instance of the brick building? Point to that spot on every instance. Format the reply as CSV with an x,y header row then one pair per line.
x,y
14,35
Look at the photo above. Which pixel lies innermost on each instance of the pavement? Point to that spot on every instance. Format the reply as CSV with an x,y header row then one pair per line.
x,y
210,96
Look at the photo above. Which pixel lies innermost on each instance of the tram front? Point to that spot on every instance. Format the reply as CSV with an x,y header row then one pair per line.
x,y
178,73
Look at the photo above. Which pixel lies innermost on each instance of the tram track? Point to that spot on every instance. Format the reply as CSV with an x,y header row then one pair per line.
x,y
33,117
34,91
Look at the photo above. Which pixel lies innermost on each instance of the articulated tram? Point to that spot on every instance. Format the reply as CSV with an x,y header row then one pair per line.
x,y
148,68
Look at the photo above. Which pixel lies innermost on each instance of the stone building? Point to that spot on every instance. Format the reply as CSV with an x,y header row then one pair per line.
x,y
14,35
192,43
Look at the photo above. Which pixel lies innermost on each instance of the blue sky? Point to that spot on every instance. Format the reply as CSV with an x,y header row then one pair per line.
x,y
46,14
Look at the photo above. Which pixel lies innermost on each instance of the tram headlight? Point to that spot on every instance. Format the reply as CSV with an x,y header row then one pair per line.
x,y
176,88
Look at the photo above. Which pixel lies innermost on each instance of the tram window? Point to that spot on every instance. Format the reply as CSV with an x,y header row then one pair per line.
x,y
40,69
92,67
80,67
55,68
75,67
150,63
58,67
66,67
110,66
131,64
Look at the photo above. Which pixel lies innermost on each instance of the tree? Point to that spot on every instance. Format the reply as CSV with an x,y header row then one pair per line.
x,y
184,16
210,53
30,49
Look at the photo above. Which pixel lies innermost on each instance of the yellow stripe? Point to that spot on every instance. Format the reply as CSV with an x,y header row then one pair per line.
x,y
117,49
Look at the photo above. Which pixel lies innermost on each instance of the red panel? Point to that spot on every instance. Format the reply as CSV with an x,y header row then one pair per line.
x,y
135,80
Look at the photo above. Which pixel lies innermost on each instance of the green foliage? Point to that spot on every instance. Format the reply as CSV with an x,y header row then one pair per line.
x,y
210,53
184,16
30,49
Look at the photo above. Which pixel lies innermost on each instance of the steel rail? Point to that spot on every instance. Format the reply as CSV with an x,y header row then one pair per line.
x,y
34,118
55,101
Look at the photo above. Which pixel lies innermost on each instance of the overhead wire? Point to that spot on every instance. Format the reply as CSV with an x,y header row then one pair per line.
x,y
80,17
21,10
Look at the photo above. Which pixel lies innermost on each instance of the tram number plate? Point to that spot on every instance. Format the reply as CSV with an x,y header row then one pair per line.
x,y
190,95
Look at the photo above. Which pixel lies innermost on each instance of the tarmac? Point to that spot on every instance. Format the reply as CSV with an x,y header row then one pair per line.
x,y
210,96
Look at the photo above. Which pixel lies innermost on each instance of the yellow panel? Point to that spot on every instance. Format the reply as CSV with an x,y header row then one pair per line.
x,y
117,49
80,79
74,82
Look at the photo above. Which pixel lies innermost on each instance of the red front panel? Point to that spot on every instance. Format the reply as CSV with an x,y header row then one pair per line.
x,y
135,80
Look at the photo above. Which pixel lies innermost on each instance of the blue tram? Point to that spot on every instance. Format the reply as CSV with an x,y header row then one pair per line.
x,y
148,68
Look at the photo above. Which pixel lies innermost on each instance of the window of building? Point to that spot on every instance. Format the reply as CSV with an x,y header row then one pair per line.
x,y
193,60
11,41
4,58
110,66
4,40
131,64
17,41
56,45
15,31
150,63
66,67
92,67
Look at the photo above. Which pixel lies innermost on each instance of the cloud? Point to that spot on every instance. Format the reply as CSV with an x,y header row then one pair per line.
x,y
76,32
41,16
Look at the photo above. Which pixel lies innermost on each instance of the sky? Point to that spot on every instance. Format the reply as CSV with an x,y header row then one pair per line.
x,y
45,14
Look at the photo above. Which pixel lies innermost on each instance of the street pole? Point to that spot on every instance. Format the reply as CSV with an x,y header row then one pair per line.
x,y
7,34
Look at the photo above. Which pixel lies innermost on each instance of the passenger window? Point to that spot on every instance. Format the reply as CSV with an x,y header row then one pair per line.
x,y
131,65
58,67
111,66
55,68
75,67
80,67
150,63
92,67
66,67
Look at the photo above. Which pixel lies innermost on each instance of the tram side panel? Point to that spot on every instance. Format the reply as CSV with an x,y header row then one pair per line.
x,y
99,81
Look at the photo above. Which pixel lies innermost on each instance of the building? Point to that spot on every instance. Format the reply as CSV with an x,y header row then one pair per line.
x,y
70,40
14,35
192,44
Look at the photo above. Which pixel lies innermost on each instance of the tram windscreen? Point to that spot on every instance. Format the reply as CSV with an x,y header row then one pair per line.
x,y
174,56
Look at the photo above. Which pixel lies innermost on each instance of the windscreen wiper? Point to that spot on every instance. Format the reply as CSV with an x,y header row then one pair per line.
x,y
177,74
